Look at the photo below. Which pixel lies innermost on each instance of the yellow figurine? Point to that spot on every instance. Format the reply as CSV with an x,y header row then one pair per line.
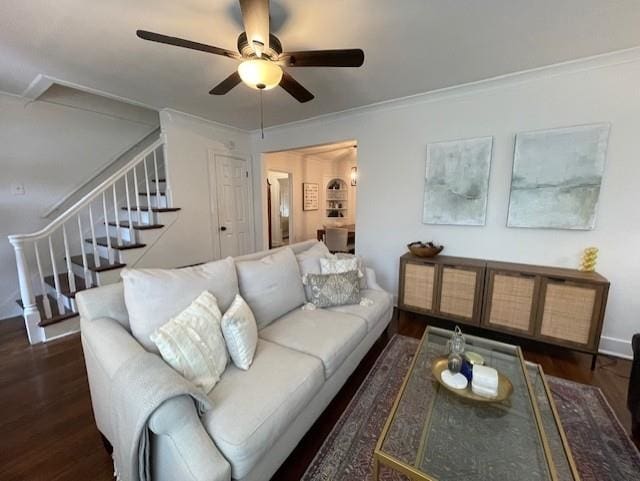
x,y
589,259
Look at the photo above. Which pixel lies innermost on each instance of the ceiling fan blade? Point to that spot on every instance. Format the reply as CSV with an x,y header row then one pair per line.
x,y
226,85
294,88
324,58
255,15
181,42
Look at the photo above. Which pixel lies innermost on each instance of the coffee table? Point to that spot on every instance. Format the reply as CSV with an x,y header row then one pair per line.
x,y
433,434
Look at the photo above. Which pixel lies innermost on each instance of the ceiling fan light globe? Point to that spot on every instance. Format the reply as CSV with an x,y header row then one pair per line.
x,y
260,74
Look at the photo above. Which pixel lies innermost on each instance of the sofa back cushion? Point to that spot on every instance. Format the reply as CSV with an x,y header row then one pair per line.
x,y
272,286
309,263
296,248
153,296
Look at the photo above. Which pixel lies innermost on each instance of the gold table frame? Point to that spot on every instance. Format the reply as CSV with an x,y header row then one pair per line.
x,y
380,457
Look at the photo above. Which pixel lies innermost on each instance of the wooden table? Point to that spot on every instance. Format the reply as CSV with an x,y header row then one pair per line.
x,y
351,239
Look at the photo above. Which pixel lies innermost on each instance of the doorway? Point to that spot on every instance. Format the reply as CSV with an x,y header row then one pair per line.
x,y
231,205
279,212
322,183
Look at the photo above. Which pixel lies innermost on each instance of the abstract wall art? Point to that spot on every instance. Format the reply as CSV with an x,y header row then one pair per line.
x,y
557,176
457,182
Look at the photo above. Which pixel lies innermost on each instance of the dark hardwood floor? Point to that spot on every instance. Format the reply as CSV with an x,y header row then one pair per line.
x,y
48,432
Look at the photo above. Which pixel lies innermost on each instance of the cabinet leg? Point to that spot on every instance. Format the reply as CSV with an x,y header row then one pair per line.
x,y
376,469
594,358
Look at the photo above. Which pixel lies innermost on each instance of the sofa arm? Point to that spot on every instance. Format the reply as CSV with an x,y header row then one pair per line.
x,y
181,447
110,343
101,302
106,346
372,282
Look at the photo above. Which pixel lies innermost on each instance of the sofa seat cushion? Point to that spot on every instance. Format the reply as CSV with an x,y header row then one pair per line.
x,y
252,408
329,336
382,303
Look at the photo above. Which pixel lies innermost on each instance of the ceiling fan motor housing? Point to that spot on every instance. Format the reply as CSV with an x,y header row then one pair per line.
x,y
247,51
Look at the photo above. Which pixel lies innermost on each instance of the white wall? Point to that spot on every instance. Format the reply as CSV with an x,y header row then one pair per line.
x,y
191,143
392,140
52,149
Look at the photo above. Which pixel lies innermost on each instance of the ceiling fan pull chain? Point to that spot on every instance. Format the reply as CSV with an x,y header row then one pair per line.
x,y
261,116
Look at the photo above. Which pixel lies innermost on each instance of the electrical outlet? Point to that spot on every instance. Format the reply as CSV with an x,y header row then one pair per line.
x,y
17,189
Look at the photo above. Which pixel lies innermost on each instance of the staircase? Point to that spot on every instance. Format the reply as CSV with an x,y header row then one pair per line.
x,y
110,228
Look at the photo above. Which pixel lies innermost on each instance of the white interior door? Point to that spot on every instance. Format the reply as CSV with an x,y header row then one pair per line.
x,y
234,210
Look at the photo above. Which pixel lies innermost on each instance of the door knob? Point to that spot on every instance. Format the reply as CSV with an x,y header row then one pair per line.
x,y
223,228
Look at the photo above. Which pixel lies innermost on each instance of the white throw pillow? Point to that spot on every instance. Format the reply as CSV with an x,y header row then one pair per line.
x,y
272,286
339,263
192,342
240,333
153,296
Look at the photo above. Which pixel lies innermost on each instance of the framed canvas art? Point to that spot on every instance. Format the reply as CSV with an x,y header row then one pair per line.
x,y
310,196
556,177
457,182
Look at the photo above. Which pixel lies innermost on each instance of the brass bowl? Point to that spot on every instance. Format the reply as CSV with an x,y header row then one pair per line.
x,y
424,251
505,388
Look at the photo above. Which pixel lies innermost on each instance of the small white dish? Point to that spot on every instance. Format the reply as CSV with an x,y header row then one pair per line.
x,y
456,381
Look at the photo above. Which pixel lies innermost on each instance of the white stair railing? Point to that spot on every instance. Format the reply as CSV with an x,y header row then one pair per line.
x,y
37,305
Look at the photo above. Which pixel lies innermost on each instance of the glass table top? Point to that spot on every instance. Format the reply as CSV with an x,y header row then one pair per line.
x,y
444,437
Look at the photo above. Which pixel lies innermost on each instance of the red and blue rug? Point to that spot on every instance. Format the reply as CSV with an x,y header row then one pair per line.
x,y
601,448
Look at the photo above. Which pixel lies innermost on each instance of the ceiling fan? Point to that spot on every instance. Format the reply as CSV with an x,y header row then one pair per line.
x,y
261,55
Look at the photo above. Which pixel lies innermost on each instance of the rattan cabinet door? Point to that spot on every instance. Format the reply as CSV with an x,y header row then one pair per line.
x,y
511,301
569,311
418,283
460,290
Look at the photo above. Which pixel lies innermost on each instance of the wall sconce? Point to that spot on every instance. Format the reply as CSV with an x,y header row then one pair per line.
x,y
354,176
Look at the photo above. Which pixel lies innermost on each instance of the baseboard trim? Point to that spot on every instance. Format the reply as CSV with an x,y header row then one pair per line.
x,y
612,346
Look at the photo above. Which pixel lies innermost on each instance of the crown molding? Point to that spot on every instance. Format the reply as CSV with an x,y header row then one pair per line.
x,y
42,82
595,62
174,114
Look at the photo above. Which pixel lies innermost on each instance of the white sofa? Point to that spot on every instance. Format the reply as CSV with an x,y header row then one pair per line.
x,y
302,360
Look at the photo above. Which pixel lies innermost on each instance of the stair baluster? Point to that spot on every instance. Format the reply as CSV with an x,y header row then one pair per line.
x,y
155,173
88,278
146,181
56,279
70,275
136,191
130,217
110,253
94,243
43,287
117,216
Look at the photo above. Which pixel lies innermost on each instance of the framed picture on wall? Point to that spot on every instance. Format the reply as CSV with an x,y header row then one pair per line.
x,y
310,196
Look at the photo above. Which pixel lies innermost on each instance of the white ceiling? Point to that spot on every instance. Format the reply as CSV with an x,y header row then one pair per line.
x,y
411,46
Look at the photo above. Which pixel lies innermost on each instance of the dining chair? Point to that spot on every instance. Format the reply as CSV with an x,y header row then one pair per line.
x,y
336,239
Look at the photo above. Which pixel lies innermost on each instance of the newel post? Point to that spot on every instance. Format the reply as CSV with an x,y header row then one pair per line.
x,y
31,313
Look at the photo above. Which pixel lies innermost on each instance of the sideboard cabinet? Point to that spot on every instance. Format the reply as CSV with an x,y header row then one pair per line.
x,y
559,306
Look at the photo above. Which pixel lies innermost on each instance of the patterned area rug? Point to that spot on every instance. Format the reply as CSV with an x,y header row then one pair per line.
x,y
600,446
